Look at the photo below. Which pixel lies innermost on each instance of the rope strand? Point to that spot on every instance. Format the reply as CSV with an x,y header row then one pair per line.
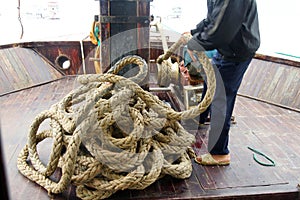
x,y
109,135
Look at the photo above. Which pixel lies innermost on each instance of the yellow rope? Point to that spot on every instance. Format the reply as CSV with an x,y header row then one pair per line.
x,y
95,40
93,37
97,65
109,135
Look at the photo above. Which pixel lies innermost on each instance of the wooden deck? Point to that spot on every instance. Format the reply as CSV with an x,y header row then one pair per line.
x,y
273,82
22,68
267,128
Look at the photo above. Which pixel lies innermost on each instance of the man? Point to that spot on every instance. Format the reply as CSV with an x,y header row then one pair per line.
x,y
231,27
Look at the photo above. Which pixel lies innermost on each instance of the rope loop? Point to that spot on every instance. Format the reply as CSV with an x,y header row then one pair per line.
x,y
163,62
109,135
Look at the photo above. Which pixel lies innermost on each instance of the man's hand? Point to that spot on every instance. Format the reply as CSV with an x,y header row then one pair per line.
x,y
186,33
185,37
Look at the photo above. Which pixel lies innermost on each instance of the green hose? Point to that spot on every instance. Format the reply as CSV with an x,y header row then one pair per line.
x,y
272,164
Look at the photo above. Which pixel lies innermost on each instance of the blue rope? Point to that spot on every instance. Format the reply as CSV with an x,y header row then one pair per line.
x,y
96,31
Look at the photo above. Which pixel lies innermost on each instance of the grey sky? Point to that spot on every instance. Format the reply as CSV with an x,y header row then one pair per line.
x,y
278,20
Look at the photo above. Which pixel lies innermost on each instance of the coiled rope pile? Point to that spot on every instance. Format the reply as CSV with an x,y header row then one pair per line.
x,y
109,135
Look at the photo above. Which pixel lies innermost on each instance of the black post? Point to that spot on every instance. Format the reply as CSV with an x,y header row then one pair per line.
x,y
125,30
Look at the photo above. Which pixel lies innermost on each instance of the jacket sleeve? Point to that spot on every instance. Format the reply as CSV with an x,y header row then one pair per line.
x,y
222,24
200,27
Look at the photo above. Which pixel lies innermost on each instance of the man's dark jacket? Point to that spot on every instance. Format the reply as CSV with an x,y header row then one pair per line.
x,y
231,27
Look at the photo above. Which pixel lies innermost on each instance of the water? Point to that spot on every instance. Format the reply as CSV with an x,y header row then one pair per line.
x,y
278,21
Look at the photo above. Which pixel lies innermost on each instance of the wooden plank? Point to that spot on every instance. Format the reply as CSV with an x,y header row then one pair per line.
x,y
288,92
296,102
4,80
267,75
8,70
272,82
193,185
16,69
280,87
32,64
21,68
257,77
293,90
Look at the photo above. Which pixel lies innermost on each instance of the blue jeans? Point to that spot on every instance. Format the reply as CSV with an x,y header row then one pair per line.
x,y
229,76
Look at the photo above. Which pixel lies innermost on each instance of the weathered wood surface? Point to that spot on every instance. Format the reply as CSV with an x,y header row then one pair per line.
x,y
21,67
275,82
270,129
